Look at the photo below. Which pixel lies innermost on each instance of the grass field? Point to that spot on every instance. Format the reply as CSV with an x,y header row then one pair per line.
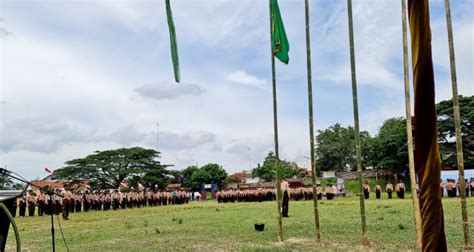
x,y
212,226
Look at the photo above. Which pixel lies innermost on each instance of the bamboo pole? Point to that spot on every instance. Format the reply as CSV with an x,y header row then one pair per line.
x,y
311,125
365,236
457,126
411,157
275,129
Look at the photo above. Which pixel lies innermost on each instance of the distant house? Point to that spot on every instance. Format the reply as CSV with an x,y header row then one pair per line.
x,y
244,177
171,187
54,183
49,178
37,185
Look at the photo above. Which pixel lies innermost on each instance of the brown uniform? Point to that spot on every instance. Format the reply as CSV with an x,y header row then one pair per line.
x,y
286,198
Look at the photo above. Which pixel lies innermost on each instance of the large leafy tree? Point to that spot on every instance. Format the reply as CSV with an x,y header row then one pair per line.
x,y
391,145
107,169
215,173
209,173
187,174
447,134
267,171
336,148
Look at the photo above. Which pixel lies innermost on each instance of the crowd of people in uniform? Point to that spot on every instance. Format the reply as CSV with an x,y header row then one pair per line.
x,y
399,189
452,187
65,202
306,193
268,194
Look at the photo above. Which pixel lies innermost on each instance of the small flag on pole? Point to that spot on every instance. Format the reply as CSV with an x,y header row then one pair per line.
x,y
173,42
47,170
140,187
280,45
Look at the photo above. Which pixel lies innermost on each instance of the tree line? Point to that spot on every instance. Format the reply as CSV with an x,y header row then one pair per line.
x,y
111,168
388,148
335,151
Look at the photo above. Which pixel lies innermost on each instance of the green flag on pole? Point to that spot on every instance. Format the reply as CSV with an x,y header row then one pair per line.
x,y
173,43
280,45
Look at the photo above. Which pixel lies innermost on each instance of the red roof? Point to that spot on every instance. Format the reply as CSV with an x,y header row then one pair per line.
x,y
240,175
39,184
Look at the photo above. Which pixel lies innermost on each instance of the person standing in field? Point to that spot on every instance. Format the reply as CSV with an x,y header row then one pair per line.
x,y
40,201
400,188
31,203
389,189
366,188
449,188
78,202
319,191
472,186
330,192
455,188
378,191
67,198
22,205
286,197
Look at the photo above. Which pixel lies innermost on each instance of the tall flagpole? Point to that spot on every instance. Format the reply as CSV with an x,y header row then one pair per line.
x,y
275,129
311,127
411,157
365,236
457,126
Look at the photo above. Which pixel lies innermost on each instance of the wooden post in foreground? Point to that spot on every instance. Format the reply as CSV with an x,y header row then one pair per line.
x,y
275,129
457,126
311,125
365,236
411,157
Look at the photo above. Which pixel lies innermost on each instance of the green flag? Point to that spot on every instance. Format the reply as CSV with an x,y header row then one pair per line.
x,y
173,43
280,45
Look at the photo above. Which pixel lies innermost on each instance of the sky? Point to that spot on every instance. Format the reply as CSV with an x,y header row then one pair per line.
x,y
80,76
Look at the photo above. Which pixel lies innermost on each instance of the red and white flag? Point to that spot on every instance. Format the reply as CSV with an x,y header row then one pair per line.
x,y
47,170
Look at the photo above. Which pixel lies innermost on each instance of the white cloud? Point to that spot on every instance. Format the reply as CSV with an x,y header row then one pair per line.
x,y
40,135
241,77
165,91
71,88
188,140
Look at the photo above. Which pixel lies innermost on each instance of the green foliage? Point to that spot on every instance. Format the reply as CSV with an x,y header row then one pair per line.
x,y
336,148
187,174
447,134
106,169
232,228
267,171
176,174
389,149
230,180
207,174
390,146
